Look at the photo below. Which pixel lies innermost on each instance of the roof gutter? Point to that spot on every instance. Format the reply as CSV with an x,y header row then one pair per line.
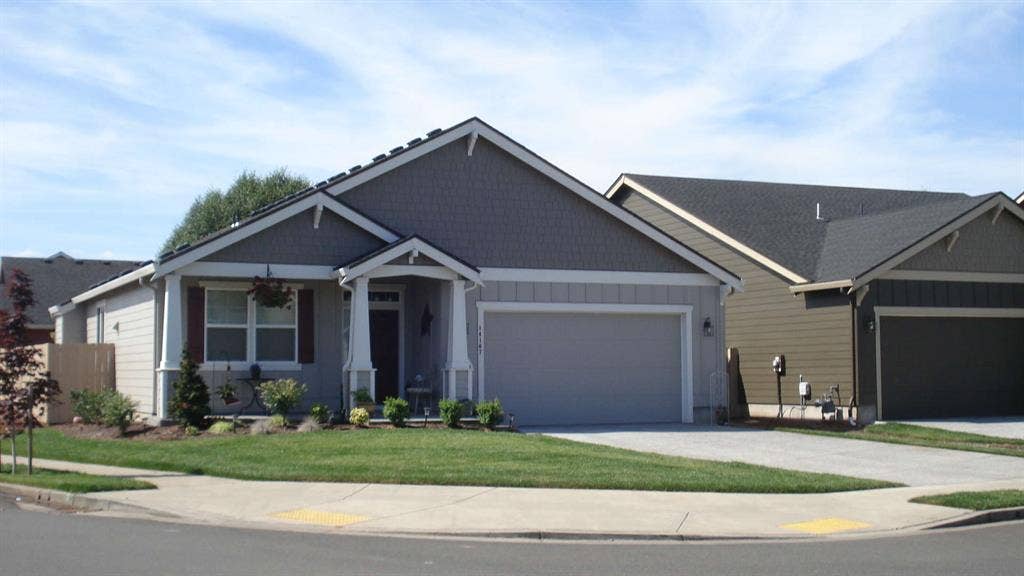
x,y
815,286
133,276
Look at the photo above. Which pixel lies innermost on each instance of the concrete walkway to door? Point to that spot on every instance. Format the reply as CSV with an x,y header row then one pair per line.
x,y
910,465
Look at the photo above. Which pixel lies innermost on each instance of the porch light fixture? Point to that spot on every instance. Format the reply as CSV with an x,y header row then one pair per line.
x,y
709,330
869,323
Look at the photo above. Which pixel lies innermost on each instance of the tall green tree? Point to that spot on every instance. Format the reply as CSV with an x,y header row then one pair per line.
x,y
216,209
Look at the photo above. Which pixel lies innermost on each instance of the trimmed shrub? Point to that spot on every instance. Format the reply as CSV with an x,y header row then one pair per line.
x,y
280,396
362,396
191,430
320,413
117,411
359,417
451,412
87,404
190,403
396,410
222,427
278,421
490,413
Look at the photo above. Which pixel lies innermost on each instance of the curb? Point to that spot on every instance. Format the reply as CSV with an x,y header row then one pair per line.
x,y
985,517
71,502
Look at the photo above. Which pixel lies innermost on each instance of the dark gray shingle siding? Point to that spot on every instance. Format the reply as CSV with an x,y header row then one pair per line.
x,y
295,241
495,211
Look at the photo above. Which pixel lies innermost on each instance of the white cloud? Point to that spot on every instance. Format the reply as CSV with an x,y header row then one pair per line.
x,y
163,102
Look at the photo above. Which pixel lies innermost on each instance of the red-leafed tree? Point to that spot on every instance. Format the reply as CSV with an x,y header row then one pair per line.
x,y
24,383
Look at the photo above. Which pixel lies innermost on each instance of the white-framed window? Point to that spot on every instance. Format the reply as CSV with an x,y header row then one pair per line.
x,y
100,321
227,325
240,330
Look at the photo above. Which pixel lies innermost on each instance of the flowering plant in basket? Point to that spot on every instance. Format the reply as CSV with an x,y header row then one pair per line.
x,y
271,292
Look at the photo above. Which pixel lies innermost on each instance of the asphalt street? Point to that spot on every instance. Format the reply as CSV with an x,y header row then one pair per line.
x,y
40,541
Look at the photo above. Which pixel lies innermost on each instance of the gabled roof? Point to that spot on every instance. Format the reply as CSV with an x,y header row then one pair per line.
x,y
59,277
810,235
385,254
1020,199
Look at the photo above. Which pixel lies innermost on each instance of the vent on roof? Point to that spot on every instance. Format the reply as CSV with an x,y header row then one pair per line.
x,y
434,132
355,168
379,157
817,212
396,150
414,141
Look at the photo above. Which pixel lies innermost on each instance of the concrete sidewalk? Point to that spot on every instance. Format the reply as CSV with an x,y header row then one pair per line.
x,y
521,512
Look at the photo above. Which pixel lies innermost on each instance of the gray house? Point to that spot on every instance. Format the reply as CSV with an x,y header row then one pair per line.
x,y
462,264
910,303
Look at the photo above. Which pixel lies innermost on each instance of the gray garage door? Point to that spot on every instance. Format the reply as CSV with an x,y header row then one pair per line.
x,y
561,368
952,367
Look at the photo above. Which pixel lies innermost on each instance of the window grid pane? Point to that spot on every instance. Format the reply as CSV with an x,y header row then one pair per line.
x,y
275,344
227,307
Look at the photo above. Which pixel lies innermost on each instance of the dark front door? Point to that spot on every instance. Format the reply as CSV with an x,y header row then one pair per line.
x,y
384,351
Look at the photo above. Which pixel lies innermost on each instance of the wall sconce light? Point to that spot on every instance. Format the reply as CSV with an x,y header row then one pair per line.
x,y
709,330
869,323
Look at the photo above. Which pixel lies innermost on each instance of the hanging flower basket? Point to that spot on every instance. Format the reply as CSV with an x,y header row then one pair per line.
x,y
271,292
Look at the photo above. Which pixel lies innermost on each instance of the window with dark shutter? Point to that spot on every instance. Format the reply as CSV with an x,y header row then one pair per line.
x,y
196,318
307,329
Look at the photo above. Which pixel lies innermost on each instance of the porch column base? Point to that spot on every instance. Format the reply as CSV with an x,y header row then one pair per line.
x,y
165,378
457,382
362,379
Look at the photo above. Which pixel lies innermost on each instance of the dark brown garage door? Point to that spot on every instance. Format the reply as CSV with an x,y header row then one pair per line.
x,y
951,367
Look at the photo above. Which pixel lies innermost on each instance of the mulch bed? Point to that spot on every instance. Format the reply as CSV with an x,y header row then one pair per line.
x,y
140,431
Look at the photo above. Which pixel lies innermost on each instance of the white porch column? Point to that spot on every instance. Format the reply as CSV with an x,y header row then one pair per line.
x,y
170,350
459,369
360,364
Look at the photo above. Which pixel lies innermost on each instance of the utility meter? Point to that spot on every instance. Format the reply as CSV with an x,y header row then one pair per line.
x,y
804,387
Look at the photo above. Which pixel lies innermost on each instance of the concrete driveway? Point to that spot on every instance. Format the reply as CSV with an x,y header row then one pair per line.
x,y
1011,427
910,465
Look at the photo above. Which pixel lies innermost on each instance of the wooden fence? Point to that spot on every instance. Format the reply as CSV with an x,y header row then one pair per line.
x,y
76,367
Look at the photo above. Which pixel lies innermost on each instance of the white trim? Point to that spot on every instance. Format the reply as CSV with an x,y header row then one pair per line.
x,y
249,270
939,234
60,309
317,214
685,313
348,273
537,163
598,277
133,276
926,312
820,286
271,218
707,228
998,211
392,270
951,240
951,276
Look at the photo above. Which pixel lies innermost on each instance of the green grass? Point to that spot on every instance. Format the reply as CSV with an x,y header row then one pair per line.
x,y
447,457
69,481
925,436
990,500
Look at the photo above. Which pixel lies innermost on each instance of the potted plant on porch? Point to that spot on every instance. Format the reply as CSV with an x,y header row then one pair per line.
x,y
365,401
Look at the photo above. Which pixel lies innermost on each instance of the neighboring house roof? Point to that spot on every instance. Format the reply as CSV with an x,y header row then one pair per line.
x,y
811,235
59,277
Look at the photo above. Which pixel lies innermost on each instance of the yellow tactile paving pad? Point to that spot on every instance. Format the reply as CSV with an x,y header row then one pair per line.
x,y
826,525
310,516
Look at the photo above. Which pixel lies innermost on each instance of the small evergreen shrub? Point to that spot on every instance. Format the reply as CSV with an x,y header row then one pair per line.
x,y
396,410
490,413
451,412
320,413
280,396
190,403
222,427
117,411
191,430
88,405
359,417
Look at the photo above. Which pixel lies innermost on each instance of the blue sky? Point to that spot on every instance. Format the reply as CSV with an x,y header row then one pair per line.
x,y
113,117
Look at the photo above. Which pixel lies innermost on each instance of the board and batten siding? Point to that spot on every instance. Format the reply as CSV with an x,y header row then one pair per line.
x,y
764,320
707,359
129,325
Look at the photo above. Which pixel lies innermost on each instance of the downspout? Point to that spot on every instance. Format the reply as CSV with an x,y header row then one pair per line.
x,y
345,386
157,334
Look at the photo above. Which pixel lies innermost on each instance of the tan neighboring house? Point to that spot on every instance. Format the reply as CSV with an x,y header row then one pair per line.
x,y
909,303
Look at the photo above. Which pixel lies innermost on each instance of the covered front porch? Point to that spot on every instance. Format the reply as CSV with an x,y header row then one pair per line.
x,y
392,323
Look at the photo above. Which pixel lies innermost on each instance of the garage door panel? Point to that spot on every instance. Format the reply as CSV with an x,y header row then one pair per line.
x,y
951,367
561,368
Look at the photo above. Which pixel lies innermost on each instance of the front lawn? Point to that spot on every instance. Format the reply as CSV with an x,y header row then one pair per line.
x,y
438,456
990,500
69,481
896,433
